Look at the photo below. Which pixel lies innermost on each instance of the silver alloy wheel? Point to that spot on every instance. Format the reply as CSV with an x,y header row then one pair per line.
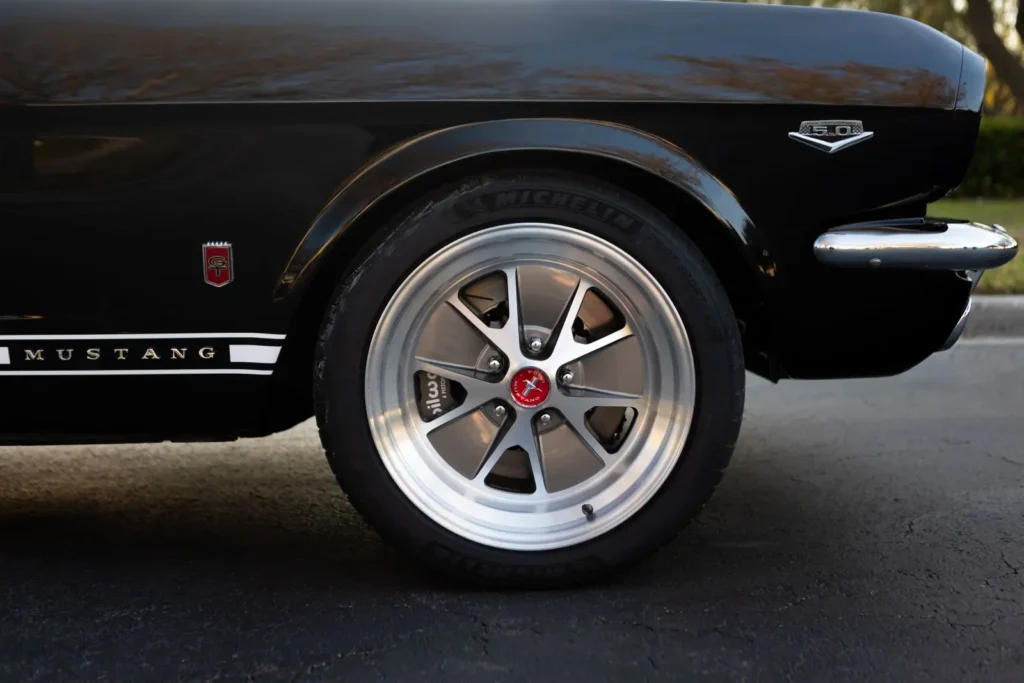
x,y
465,442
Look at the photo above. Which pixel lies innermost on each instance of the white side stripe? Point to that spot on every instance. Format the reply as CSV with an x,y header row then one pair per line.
x,y
55,373
247,353
176,335
5,356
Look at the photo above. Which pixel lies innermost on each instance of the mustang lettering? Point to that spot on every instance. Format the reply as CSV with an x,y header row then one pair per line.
x,y
150,353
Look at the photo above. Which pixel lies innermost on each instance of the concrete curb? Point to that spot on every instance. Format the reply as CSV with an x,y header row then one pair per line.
x,y
996,315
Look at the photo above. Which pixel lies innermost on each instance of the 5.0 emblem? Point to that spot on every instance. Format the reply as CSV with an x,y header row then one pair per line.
x,y
831,136
218,263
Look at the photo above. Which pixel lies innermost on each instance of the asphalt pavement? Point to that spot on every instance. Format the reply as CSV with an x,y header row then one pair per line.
x,y
868,530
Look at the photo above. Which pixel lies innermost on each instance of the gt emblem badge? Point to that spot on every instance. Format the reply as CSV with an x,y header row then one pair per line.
x,y
831,136
530,387
218,263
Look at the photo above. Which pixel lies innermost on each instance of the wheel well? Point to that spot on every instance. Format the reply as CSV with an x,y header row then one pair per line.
x,y
680,207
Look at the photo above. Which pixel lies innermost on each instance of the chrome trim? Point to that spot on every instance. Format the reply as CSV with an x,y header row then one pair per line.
x,y
830,147
818,134
958,329
916,243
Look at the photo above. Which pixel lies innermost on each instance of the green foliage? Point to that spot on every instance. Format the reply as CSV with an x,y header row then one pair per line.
x,y
939,14
997,169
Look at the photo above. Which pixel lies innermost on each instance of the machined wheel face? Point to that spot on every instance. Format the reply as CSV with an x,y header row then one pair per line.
x,y
530,386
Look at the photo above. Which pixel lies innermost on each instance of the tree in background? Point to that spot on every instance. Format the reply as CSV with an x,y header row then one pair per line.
x,y
993,27
986,25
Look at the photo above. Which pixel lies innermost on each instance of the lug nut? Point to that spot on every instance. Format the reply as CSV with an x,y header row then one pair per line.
x,y
567,377
500,411
545,418
494,364
536,345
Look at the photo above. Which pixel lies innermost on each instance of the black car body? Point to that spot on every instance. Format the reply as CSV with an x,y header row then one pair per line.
x,y
140,139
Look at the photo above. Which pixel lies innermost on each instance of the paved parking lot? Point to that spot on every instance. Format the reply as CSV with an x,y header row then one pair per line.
x,y
867,530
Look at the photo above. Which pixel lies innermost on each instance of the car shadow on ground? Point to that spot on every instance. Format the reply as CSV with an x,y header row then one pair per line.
x,y
224,557
276,515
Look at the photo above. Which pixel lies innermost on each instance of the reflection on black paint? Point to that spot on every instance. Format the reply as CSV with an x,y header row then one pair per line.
x,y
309,50
65,162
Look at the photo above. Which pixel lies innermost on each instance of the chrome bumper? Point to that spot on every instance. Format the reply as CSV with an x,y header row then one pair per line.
x,y
919,243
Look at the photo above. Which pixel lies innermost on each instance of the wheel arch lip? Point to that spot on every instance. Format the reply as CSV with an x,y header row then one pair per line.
x,y
421,155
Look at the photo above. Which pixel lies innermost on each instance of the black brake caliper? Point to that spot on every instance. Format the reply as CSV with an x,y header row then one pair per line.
x,y
434,395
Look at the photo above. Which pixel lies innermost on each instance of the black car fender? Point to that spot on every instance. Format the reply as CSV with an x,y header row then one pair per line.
x,y
429,152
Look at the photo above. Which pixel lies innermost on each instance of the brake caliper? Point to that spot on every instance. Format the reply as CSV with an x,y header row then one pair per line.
x,y
433,395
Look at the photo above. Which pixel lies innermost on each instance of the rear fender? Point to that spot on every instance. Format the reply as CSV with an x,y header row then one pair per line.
x,y
424,154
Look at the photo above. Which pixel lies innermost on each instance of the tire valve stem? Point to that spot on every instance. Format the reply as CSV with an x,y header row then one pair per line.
x,y
588,511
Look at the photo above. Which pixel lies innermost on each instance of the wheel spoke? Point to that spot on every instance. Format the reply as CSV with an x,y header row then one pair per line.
x,y
615,370
625,332
449,338
454,414
514,324
567,459
578,421
455,371
478,391
563,335
574,409
465,442
566,349
569,350
608,401
507,337
496,336
520,434
536,463
594,398
544,293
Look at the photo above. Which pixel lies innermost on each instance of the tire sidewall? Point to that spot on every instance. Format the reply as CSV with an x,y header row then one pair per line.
x,y
605,212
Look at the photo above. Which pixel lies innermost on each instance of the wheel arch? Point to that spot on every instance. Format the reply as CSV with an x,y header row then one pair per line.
x,y
650,167
440,151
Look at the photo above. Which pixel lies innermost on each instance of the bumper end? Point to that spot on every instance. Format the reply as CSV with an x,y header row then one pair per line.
x,y
916,243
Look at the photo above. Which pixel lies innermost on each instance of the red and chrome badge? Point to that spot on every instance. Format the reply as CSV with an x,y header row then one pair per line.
x,y
530,387
218,263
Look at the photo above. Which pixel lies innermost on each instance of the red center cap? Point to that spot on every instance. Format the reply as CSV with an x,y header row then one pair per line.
x,y
530,387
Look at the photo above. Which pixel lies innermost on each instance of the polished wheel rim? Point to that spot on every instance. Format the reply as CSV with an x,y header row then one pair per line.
x,y
530,386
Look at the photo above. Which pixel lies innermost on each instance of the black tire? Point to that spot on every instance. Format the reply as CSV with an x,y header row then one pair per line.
x,y
452,212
